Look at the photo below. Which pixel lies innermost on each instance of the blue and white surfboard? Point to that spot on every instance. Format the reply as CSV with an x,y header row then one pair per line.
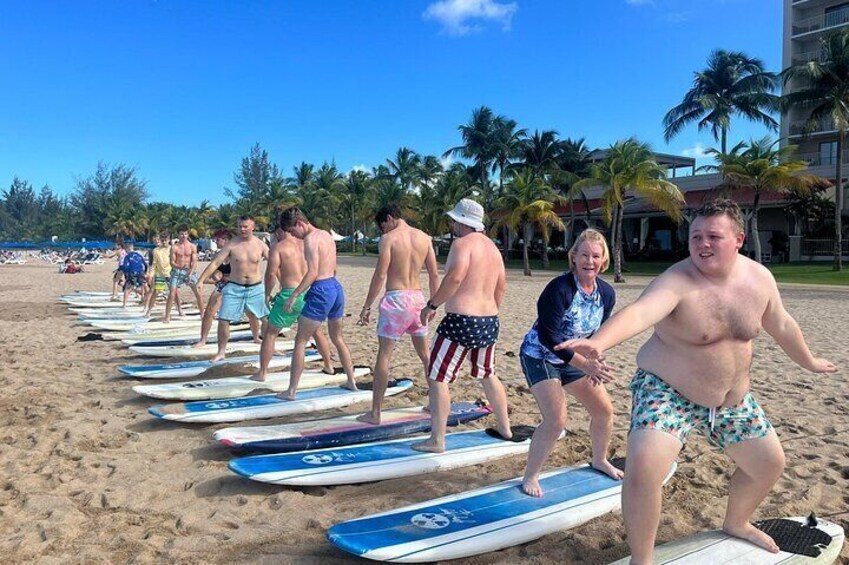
x,y
242,335
375,461
268,405
194,368
480,520
343,430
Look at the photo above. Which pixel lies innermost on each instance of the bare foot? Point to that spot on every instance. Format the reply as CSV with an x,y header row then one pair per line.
x,y
751,534
531,487
608,469
428,446
218,357
506,433
287,395
351,385
199,344
258,377
166,320
369,418
328,370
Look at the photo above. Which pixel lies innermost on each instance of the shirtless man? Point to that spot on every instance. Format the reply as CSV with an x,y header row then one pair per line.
x,y
472,291
244,293
324,299
403,251
287,266
706,311
184,259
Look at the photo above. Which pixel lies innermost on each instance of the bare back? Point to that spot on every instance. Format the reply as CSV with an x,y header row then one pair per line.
x,y
478,263
408,248
320,252
292,264
246,255
703,348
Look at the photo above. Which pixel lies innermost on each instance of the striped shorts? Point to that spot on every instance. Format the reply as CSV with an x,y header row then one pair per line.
x,y
447,356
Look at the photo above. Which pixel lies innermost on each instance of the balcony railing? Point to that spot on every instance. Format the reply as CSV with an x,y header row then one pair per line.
x,y
830,20
820,56
801,127
823,247
821,159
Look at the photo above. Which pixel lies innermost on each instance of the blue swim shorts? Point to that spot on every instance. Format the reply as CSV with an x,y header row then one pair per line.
x,y
539,370
325,300
236,298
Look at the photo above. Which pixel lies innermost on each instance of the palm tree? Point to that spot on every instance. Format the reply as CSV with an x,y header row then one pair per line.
x,y
319,207
508,143
479,143
762,167
433,201
824,86
528,203
357,191
279,196
429,171
630,170
732,84
405,167
540,151
573,164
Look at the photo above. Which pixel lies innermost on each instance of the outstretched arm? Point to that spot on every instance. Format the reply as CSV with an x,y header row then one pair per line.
x,y
271,271
312,256
432,270
787,334
456,267
216,262
656,303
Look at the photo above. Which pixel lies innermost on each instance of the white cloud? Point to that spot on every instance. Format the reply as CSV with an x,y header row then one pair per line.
x,y
447,161
457,16
360,167
698,151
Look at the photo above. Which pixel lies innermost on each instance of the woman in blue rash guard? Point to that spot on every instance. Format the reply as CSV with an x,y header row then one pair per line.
x,y
573,305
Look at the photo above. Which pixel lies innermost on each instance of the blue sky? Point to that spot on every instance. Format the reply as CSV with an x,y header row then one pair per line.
x,y
181,90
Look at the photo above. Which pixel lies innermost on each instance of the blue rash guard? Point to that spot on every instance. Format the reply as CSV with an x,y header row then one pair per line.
x,y
565,311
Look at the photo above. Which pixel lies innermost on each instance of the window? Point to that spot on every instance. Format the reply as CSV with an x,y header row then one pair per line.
x,y
828,153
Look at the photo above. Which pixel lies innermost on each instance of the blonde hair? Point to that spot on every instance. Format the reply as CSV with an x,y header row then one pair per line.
x,y
593,236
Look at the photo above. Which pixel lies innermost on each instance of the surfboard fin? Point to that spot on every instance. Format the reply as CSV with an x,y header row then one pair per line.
x,y
793,537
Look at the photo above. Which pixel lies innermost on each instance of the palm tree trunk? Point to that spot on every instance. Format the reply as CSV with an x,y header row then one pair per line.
x,y
526,262
353,229
756,239
545,263
617,244
587,208
571,233
838,205
724,139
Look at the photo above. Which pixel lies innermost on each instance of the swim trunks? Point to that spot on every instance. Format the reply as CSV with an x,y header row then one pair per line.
x,y
179,277
458,336
134,280
325,300
236,298
400,312
160,283
278,317
219,286
539,370
658,406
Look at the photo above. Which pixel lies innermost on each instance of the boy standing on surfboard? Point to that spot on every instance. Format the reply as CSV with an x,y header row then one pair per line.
x,y
472,290
404,250
694,373
244,293
324,299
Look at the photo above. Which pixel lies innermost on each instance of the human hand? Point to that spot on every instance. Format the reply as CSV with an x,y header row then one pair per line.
x,y
289,305
598,371
821,365
426,315
365,315
585,347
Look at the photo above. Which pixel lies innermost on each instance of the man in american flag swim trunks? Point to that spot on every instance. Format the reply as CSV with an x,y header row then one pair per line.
x,y
472,291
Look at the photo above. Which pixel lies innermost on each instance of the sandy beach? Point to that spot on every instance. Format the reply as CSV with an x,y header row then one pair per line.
x,y
88,476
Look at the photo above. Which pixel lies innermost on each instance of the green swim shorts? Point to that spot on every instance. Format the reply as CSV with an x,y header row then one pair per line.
x,y
278,317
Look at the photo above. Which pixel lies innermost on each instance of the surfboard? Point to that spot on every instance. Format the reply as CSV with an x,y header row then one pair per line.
x,y
99,303
822,540
185,369
237,336
207,350
93,311
378,461
269,405
481,520
129,337
343,430
123,325
234,387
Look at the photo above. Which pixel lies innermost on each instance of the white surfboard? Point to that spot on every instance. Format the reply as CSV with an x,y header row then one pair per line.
x,y
481,520
187,331
125,325
234,387
185,369
376,461
719,547
207,350
190,339
268,405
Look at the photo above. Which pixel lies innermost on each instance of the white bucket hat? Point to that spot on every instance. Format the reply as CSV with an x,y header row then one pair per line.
x,y
469,213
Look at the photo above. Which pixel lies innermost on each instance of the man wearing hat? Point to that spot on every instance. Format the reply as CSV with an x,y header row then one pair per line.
x,y
471,291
